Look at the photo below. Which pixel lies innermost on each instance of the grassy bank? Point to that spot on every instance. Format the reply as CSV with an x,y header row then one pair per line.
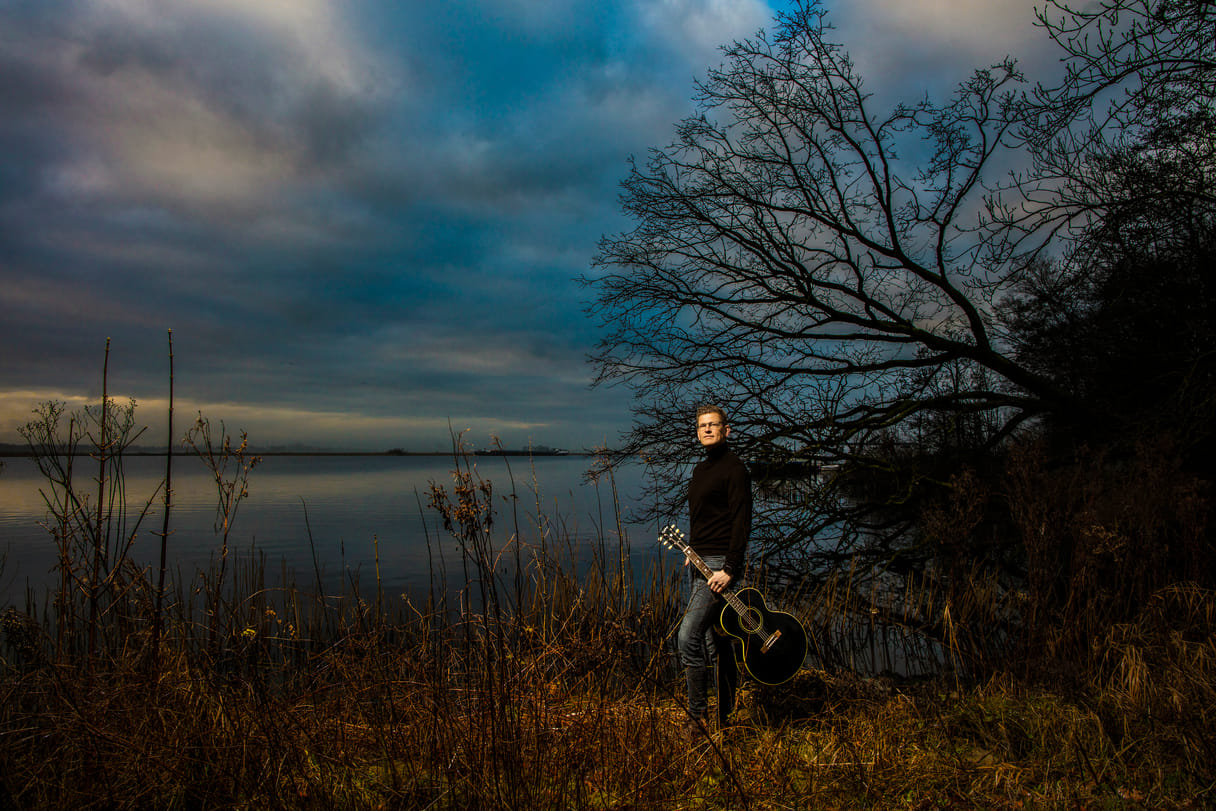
x,y
409,717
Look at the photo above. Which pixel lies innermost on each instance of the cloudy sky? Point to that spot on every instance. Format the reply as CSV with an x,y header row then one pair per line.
x,y
362,220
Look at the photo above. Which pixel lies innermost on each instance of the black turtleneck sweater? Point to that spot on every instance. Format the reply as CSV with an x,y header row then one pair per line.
x,y
720,507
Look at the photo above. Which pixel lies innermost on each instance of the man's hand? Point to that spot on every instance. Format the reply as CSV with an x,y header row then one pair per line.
x,y
718,581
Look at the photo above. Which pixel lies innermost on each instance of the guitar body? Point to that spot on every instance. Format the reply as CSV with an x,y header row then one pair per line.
x,y
774,642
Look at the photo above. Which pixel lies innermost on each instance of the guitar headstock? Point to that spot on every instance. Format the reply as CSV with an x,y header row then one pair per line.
x,y
673,538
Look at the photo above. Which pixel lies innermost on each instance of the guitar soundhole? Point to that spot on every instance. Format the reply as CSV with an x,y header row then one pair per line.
x,y
751,621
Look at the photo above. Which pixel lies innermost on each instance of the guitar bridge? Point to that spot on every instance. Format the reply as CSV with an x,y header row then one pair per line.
x,y
768,643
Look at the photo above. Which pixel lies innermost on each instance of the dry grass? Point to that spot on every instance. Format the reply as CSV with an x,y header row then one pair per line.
x,y
551,685
484,712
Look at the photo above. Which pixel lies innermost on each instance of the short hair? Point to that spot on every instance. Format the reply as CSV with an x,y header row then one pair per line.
x,y
711,409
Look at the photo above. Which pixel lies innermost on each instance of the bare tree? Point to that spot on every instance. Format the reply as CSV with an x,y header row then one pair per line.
x,y
1123,155
1159,55
1129,127
855,283
815,264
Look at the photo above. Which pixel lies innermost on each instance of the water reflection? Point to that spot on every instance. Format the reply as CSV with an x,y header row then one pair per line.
x,y
355,509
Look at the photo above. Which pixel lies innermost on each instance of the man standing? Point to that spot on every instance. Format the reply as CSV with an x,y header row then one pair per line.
x,y
720,515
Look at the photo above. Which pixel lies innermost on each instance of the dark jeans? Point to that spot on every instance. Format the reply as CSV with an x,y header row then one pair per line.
x,y
696,637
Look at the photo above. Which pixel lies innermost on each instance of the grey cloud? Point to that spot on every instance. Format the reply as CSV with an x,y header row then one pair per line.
x,y
367,221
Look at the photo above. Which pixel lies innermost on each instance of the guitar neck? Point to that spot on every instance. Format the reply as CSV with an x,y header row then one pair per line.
x,y
702,567
731,598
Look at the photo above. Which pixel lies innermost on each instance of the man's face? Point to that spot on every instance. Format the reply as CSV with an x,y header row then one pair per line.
x,y
711,429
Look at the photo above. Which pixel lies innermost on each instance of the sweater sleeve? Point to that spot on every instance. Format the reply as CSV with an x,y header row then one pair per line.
x,y
739,496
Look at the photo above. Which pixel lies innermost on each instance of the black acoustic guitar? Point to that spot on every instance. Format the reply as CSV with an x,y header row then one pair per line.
x,y
774,642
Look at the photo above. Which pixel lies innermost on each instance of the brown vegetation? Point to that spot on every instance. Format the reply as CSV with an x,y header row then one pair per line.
x,y
550,685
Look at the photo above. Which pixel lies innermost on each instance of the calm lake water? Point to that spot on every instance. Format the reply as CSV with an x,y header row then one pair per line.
x,y
354,507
